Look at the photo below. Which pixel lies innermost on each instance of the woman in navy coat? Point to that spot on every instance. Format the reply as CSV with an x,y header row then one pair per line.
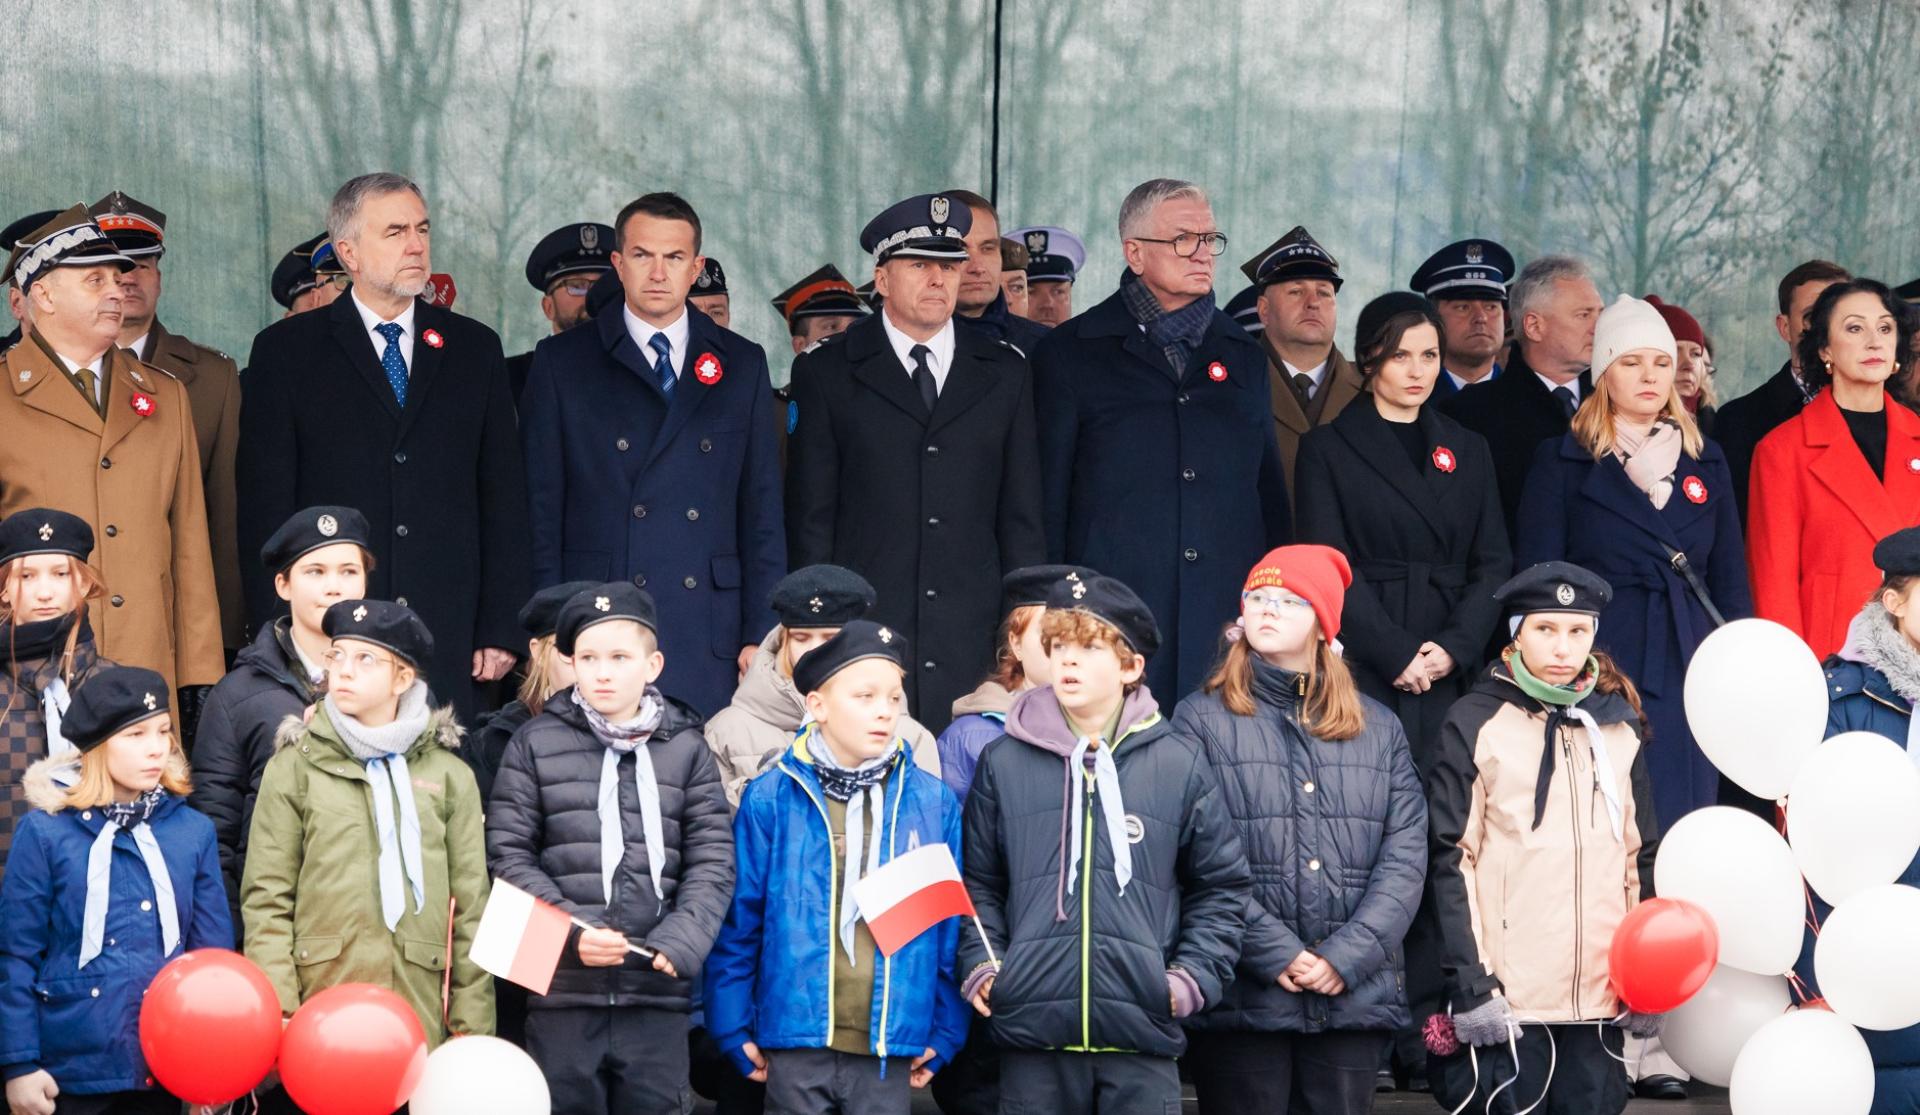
x,y
1636,494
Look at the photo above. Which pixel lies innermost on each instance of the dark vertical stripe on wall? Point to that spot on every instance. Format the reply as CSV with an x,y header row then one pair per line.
x,y
993,174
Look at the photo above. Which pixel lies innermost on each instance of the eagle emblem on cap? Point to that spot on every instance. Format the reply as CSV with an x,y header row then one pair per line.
x,y
938,209
327,525
151,701
602,604
360,614
705,280
1475,253
1564,594
1037,242
120,210
46,532
886,636
814,605
589,237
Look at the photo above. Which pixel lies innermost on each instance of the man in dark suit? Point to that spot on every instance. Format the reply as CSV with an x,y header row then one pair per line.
x,y
1555,306
1158,451
912,458
651,457
398,408
1744,421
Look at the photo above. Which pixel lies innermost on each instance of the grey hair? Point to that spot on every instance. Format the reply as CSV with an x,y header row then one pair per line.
x,y
1536,281
1143,199
343,215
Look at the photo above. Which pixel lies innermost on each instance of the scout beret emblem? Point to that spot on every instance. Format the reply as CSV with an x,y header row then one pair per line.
x,y
602,604
814,605
46,532
360,613
1564,594
886,636
151,701
328,526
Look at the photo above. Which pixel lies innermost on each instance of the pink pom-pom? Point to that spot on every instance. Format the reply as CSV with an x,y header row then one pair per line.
x,y
1439,1037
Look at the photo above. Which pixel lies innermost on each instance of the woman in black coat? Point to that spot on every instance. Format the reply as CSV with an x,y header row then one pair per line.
x,y
1323,795
1409,496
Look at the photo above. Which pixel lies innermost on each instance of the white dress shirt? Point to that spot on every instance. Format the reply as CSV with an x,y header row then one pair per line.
x,y
404,321
1317,373
939,350
678,331
1572,385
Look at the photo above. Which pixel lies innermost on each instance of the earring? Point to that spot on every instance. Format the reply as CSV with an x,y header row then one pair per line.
x,y
1829,366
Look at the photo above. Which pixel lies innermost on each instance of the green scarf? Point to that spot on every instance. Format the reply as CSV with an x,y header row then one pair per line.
x,y
1545,692
1562,703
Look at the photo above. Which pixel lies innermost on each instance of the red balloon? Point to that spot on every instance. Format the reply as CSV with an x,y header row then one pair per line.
x,y
210,1026
355,1049
1662,954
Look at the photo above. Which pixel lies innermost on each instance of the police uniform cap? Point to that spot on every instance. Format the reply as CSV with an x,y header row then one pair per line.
x,y
540,615
856,641
1111,602
137,228
925,226
1244,308
1297,255
44,530
576,249
293,275
1466,269
600,604
1554,586
70,239
1054,254
309,530
824,293
324,260
1031,584
712,279
110,701
821,596
382,623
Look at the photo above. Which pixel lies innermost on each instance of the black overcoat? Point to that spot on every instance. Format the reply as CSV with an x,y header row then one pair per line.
x,y
1515,414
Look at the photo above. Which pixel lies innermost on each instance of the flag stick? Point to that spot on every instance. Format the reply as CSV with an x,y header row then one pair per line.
x,y
982,930
642,949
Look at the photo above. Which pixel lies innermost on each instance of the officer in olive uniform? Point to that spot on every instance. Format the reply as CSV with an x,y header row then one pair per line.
x,y
212,381
710,296
564,267
912,458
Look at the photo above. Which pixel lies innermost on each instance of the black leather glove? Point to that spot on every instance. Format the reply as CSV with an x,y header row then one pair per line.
x,y
192,698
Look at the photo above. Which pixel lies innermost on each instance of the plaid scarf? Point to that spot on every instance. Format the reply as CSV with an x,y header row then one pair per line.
x,y
139,811
841,783
1177,332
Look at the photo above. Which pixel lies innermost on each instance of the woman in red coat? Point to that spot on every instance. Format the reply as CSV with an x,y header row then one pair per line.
x,y
1841,474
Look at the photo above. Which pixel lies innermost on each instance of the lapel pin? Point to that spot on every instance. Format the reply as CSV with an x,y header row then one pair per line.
x,y
1217,372
707,369
433,338
1443,458
1695,489
1914,465
142,404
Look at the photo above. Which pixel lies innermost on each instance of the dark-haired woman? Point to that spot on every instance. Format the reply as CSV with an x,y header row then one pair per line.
x,y
1841,474
1323,795
1409,496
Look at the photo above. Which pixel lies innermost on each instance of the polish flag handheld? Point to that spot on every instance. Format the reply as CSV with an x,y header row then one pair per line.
x,y
912,893
520,938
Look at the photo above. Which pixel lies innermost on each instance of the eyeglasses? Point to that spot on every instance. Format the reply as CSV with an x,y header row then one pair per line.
x,y
338,280
579,288
362,660
1272,603
1187,243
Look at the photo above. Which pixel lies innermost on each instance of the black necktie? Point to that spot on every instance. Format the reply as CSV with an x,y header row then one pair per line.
x,y
1303,383
923,376
1564,396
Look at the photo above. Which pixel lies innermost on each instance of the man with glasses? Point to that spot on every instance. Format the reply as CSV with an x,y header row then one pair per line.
x,y
563,268
1158,460
1296,285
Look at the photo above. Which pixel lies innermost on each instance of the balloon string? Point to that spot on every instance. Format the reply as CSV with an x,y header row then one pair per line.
x,y
1813,914
1799,989
1513,1045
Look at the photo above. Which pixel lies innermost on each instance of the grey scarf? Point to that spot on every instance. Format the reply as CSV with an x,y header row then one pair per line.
x,y
1178,332
628,737
383,750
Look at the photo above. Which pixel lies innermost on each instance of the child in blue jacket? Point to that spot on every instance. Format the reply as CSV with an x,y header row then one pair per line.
x,y
797,993
110,877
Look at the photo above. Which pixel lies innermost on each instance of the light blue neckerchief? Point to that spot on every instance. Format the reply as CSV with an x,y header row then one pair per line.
x,y
1106,782
628,738
93,927
398,848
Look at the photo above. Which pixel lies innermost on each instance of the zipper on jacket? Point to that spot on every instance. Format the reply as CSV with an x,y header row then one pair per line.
x,y
833,880
1086,918
1579,889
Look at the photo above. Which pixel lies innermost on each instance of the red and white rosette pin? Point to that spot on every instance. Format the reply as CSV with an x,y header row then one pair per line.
x,y
142,404
433,338
1217,372
1444,460
1695,489
707,369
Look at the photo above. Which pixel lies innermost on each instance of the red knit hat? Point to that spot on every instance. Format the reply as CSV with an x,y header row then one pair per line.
x,y
1317,574
1682,323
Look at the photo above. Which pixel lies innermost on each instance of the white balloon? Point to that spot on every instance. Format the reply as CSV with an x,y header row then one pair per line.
x,y
1732,864
1853,816
1757,703
1865,961
481,1076
1705,1034
1804,1061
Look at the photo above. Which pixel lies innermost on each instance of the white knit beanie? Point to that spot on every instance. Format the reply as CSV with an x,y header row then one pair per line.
x,y
1626,325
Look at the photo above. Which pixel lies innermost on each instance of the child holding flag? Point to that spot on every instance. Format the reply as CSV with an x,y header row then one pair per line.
x,y
802,992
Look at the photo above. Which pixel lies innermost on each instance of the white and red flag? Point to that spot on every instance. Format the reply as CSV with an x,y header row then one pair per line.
x,y
910,894
520,937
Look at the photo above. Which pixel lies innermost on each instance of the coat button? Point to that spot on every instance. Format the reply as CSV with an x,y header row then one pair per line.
x,y
401,530
95,993
693,514
933,451
113,531
106,462
1191,554
931,594
400,600
933,521
87,816
1186,474
621,445
706,445
1308,787
1183,398
399,458
303,954
639,510
691,583
640,580
118,600
1313,865
146,905
928,664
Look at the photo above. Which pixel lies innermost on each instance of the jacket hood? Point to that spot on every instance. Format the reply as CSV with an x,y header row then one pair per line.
x,y
989,699
1036,718
1874,639
764,693
43,785
443,730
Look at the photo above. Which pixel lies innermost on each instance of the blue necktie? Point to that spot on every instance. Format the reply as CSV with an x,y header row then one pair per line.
x,y
391,361
663,364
